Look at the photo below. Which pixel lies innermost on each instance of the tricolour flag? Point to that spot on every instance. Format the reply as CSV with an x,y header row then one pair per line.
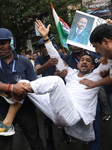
x,y
63,28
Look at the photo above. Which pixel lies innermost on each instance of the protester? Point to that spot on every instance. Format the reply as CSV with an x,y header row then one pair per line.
x,y
72,59
55,86
13,68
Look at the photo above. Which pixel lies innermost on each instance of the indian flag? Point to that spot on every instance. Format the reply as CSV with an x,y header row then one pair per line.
x,y
63,28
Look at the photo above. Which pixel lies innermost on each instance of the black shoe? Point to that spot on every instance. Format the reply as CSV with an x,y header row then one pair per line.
x,y
106,118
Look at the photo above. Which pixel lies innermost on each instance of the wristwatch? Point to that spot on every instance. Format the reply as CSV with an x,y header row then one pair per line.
x,y
45,40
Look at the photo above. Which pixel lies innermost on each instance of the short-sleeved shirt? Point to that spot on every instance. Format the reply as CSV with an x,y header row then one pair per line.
x,y
19,68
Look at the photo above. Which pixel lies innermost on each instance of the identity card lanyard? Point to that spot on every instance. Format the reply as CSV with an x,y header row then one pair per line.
x,y
13,66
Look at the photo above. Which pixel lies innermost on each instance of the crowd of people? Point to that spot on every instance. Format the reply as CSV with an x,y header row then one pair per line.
x,y
68,88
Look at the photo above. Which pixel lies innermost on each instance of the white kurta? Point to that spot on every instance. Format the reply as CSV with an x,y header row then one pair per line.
x,y
84,100
72,106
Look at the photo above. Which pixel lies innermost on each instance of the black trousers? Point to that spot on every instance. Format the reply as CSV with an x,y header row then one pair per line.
x,y
48,130
29,126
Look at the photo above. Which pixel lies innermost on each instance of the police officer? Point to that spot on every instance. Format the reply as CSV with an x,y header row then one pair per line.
x,y
14,67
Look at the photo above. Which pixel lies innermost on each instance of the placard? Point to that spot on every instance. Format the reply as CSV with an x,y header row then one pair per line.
x,y
81,28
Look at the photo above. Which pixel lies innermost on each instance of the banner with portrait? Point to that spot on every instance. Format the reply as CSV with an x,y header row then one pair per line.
x,y
81,28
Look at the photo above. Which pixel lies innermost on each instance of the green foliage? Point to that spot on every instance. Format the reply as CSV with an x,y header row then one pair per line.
x,y
14,15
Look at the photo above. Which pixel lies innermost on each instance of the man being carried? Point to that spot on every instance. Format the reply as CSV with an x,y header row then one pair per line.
x,y
71,106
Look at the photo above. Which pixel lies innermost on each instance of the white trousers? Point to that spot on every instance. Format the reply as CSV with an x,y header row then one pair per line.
x,y
52,98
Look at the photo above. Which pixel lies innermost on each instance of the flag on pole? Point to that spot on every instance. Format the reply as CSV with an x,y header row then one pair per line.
x,y
62,27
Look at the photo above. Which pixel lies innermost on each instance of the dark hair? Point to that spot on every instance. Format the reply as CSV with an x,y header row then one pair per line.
x,y
100,32
92,58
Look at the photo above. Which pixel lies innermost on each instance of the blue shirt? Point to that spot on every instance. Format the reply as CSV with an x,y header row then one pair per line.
x,y
19,68
41,60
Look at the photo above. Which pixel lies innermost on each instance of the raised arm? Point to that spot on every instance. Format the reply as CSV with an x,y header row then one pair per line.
x,y
49,46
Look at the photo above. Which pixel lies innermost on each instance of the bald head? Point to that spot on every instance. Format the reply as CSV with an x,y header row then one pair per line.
x,y
82,23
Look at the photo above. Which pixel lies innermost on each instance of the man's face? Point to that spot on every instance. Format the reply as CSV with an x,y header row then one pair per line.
x,y
105,48
82,23
85,64
4,48
43,50
34,56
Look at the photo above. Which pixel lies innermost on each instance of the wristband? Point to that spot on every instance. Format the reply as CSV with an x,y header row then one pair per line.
x,y
8,88
46,40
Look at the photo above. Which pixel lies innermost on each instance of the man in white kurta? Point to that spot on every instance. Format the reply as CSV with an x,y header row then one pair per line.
x,y
72,106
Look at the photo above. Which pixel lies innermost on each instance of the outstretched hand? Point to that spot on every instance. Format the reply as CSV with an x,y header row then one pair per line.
x,y
42,29
89,83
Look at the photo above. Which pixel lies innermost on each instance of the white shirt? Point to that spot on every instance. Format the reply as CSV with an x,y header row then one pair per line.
x,y
85,100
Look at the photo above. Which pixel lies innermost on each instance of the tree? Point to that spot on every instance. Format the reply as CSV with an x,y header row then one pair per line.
x,y
14,15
